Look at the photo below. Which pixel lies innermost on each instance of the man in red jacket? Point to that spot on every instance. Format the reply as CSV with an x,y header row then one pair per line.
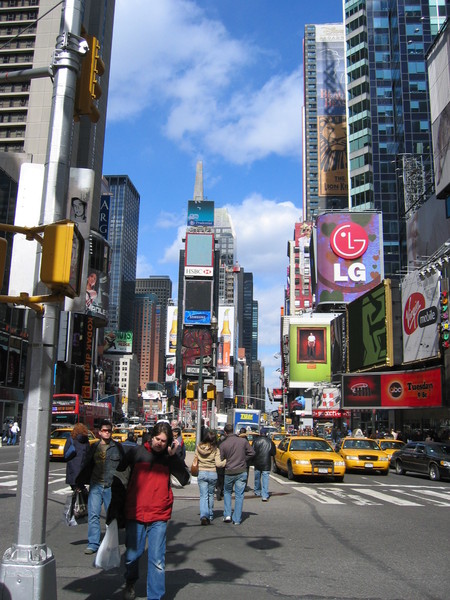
x,y
147,504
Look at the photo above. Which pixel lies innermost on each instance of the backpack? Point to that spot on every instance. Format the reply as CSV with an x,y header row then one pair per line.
x,y
70,451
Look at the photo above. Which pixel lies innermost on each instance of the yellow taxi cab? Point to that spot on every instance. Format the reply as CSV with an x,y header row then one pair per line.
x,y
308,455
363,454
251,436
389,446
58,439
139,431
188,435
120,434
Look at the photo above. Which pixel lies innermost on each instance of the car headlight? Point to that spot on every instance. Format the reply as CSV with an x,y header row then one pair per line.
x,y
339,463
351,457
302,462
383,459
445,463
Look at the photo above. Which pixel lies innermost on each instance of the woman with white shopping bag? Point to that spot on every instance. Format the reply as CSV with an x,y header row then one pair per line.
x,y
144,506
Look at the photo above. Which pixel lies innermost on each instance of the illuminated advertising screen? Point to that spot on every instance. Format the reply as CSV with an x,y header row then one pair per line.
x,y
370,337
118,342
200,214
197,301
171,331
420,316
225,348
331,119
348,255
196,348
404,389
199,250
309,354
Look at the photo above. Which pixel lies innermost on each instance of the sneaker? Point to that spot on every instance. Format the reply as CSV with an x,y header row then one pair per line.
x,y
227,519
257,495
204,521
128,592
265,499
90,551
236,523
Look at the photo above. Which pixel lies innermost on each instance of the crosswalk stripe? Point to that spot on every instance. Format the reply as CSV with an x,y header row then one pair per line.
x,y
437,495
388,498
360,501
316,495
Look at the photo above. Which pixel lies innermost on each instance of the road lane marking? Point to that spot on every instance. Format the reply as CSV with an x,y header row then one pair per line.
x,y
388,498
317,496
360,501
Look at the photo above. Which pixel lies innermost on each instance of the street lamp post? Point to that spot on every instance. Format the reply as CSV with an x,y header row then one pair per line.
x,y
214,330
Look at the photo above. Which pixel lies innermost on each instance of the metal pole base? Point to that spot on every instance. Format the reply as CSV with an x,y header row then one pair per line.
x,y
28,572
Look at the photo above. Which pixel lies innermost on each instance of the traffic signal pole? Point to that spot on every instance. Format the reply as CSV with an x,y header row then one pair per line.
x,y
28,568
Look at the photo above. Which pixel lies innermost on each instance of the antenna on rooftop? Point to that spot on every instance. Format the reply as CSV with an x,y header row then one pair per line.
x,y
198,188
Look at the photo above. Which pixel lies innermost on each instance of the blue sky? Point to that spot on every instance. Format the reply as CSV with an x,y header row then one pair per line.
x,y
218,81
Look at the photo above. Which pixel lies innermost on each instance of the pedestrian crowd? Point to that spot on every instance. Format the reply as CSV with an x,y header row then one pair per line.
x,y
10,432
132,483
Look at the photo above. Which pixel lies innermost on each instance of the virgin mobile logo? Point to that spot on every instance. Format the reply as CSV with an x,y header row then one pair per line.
x,y
414,304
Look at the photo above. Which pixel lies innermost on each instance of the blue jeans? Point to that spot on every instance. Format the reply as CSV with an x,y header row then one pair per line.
x,y
239,482
136,536
98,495
262,483
206,484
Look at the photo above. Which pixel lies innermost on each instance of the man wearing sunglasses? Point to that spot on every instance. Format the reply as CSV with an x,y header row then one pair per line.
x,y
98,471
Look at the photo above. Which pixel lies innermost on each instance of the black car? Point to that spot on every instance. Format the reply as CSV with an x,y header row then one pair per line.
x,y
428,458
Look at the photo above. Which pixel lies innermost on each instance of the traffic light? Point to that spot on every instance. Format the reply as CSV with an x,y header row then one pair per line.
x,y
444,327
62,258
88,87
3,250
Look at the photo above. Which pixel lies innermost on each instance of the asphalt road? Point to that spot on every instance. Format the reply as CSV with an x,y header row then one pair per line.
x,y
371,537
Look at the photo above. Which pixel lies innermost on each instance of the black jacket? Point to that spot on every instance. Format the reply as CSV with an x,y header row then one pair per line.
x,y
74,465
264,450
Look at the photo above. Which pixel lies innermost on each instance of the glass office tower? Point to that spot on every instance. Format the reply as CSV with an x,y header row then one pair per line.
x,y
390,153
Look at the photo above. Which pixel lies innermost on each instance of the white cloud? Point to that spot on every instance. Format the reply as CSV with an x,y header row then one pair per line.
x,y
188,68
144,268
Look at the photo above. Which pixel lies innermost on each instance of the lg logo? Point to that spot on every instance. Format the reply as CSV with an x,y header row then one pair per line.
x,y
349,241
396,389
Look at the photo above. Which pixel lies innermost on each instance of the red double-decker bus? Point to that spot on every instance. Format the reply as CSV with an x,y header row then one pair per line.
x,y
68,409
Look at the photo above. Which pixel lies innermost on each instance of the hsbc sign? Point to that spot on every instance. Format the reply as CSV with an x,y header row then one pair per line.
x,y
198,271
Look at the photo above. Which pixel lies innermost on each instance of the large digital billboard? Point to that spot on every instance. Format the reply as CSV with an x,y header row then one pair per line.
x,y
348,255
199,255
331,119
420,316
309,354
197,301
118,342
196,348
200,214
225,347
404,389
370,330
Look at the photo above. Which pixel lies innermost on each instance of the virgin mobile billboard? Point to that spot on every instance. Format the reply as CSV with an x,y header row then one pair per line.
x,y
402,389
349,256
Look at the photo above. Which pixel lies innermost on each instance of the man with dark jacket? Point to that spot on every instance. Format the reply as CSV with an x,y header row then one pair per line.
x,y
98,470
238,453
264,450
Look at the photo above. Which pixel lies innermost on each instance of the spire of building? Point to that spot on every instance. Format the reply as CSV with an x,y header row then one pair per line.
x,y
198,188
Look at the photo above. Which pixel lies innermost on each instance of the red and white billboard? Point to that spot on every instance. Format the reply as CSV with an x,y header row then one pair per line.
x,y
349,255
401,389
420,316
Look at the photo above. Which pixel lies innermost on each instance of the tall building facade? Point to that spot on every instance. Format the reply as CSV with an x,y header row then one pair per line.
x,y
161,288
325,177
225,238
390,152
145,336
28,32
123,239
298,294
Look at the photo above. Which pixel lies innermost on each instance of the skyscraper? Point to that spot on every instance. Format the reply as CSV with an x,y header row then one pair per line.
x,y
390,155
145,336
225,238
161,288
123,239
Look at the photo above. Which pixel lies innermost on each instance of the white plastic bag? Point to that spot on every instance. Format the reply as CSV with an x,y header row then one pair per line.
x,y
108,554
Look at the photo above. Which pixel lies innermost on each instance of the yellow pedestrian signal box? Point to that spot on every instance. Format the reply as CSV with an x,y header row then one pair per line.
x,y
211,392
190,391
62,258
3,250
88,86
